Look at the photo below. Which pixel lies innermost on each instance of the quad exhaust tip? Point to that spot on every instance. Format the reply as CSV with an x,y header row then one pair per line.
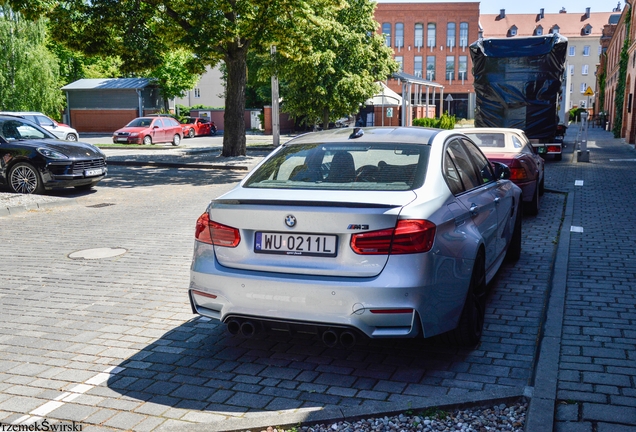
x,y
330,337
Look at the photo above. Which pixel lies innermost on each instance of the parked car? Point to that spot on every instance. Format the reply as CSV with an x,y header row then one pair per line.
x,y
512,147
197,126
349,233
150,130
33,160
60,130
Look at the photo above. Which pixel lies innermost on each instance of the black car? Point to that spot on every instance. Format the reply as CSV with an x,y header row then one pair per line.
x,y
32,159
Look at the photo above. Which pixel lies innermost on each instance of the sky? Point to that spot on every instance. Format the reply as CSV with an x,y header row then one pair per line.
x,y
522,7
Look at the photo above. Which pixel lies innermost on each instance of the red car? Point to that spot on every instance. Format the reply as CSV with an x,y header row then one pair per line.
x,y
197,126
150,130
512,147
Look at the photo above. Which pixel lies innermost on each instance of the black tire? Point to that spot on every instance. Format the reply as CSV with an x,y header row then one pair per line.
x,y
471,322
532,208
191,133
71,137
514,248
558,157
176,140
542,187
25,179
147,140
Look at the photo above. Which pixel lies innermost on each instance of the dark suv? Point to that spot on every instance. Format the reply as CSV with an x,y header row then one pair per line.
x,y
32,159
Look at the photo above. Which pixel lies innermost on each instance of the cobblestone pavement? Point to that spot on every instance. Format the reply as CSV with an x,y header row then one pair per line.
x,y
597,365
112,343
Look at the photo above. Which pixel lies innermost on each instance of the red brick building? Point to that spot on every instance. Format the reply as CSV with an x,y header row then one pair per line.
x,y
430,40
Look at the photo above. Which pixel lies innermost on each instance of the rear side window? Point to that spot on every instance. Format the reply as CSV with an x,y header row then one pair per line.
x,y
463,165
484,169
343,167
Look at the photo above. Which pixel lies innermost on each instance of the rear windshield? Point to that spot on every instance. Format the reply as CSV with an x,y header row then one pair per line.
x,y
497,140
343,167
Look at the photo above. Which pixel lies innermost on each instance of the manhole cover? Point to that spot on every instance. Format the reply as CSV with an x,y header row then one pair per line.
x,y
97,253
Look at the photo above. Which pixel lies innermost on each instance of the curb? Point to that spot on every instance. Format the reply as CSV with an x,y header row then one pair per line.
x,y
8,211
541,410
309,417
177,165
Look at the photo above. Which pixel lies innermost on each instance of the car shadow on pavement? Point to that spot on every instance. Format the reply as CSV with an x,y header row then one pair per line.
x,y
200,366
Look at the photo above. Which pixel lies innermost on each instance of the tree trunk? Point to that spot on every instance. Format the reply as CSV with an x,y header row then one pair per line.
x,y
234,130
325,118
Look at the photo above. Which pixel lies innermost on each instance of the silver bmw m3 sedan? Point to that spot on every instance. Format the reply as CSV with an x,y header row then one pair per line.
x,y
359,233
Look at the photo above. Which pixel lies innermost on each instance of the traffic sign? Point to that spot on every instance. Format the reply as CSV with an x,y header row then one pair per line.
x,y
589,92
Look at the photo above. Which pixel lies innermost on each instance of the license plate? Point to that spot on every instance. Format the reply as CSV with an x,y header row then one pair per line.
x,y
296,244
122,139
93,172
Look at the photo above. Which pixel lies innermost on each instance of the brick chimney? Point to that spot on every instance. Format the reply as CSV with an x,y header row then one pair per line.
x,y
502,13
563,10
587,12
541,13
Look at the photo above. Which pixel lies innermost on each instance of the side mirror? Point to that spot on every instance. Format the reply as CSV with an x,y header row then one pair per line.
x,y
502,172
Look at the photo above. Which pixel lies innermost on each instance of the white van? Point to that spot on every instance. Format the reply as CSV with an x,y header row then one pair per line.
x,y
60,130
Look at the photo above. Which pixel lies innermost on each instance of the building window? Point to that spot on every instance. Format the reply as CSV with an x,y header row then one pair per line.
x,y
417,66
450,35
555,29
571,89
571,69
419,35
463,68
430,68
400,62
399,35
582,104
386,31
584,70
538,31
450,68
513,31
430,36
197,93
583,87
600,50
572,51
586,50
587,30
463,34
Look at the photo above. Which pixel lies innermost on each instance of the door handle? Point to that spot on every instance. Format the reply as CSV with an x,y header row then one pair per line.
x,y
497,199
474,209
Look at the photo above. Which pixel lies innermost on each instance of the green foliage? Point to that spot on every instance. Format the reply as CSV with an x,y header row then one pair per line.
x,y
622,78
444,122
338,72
602,80
29,76
173,78
575,114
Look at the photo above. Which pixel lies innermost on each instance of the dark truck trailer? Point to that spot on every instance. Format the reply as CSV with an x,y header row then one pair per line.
x,y
517,83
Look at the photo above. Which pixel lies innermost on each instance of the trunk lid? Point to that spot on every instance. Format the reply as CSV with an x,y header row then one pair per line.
x,y
322,218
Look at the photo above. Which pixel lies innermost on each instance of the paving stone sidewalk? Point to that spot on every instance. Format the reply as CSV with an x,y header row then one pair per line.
x,y
596,388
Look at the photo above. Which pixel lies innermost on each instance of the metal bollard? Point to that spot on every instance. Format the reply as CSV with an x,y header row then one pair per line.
x,y
583,154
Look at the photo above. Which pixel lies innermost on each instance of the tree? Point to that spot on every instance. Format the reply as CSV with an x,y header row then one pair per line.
x,y
29,73
142,32
341,71
172,77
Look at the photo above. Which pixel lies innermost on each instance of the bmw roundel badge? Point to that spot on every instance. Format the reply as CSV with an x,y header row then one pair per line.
x,y
290,221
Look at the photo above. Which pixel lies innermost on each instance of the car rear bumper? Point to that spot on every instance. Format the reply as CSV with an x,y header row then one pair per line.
x,y
392,304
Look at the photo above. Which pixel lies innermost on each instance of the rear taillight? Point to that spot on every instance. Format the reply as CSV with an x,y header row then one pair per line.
x,y
554,149
409,236
210,232
518,174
